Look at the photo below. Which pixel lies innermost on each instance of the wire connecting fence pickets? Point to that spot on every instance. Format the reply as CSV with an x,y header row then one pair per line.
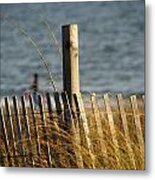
x,y
45,131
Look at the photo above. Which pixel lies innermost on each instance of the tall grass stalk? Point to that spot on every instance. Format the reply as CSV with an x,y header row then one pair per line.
x,y
35,45
52,36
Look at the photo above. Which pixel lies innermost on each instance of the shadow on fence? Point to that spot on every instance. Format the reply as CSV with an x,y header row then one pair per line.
x,y
105,133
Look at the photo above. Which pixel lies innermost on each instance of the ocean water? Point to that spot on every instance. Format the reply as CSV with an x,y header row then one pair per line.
x,y
111,42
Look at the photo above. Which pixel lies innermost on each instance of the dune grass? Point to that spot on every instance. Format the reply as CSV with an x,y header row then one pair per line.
x,y
53,143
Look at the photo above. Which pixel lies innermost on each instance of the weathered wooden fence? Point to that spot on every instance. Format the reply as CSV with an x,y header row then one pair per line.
x,y
102,132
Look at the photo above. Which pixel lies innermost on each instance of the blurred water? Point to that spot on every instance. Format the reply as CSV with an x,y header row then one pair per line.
x,y
111,45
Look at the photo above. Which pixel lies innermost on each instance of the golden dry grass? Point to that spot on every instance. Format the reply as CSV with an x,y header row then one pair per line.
x,y
66,145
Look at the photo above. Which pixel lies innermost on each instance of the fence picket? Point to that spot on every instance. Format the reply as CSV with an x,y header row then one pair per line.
x,y
58,103
135,110
61,126
84,125
120,102
19,129
98,123
9,119
27,125
70,121
112,128
49,106
36,130
6,142
68,118
43,118
59,109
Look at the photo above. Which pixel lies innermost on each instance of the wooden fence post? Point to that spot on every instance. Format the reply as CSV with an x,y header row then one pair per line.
x,y
70,60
